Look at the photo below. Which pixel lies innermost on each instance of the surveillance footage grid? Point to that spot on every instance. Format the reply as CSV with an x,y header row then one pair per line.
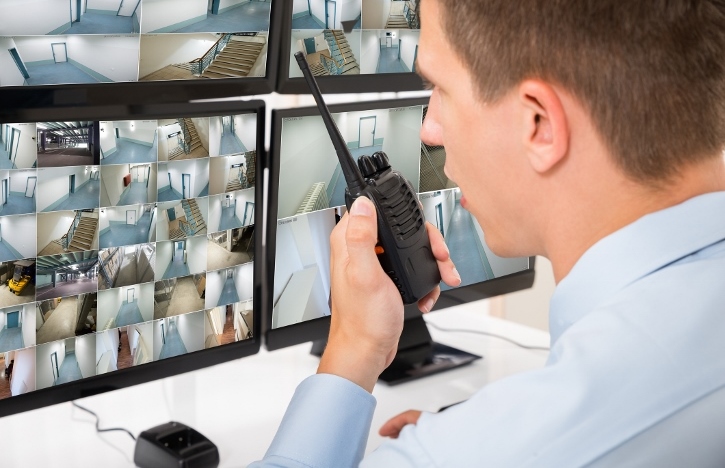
x,y
312,201
122,243
51,42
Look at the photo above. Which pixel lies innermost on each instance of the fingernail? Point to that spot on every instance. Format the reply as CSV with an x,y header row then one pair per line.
x,y
428,306
455,272
361,207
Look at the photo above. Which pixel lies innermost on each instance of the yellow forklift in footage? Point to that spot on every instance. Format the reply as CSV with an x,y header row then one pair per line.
x,y
24,274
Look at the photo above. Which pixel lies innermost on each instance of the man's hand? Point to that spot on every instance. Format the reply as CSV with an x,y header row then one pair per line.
x,y
367,311
396,424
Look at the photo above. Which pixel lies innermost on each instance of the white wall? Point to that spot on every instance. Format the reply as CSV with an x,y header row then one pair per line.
x,y
109,5
244,281
115,57
196,254
158,339
215,212
350,9
375,13
17,231
408,42
53,183
215,134
227,3
191,330
34,49
86,354
369,51
107,342
9,73
109,302
317,8
299,6
158,14
52,226
146,300
158,51
108,138
164,251
404,150
33,17
349,124
353,39
142,131
214,285
245,127
28,318
162,228
23,379
112,181
307,156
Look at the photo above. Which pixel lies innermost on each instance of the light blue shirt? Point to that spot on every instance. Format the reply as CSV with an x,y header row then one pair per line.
x,y
635,377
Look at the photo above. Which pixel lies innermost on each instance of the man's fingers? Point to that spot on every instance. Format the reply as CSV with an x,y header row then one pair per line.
x,y
396,424
361,237
426,304
449,274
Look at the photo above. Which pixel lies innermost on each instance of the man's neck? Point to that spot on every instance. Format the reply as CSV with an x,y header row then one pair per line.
x,y
631,201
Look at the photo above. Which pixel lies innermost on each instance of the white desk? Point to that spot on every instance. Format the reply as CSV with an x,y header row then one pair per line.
x,y
239,404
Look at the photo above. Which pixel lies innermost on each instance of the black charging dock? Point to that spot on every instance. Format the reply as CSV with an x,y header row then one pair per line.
x,y
174,445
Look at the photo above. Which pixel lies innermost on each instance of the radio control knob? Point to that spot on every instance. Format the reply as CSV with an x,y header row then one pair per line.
x,y
381,160
366,165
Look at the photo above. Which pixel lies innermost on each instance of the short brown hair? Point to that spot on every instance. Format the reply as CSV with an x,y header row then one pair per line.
x,y
651,73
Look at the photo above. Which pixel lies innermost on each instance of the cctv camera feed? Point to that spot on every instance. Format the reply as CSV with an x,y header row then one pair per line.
x,y
50,42
119,246
312,201
355,37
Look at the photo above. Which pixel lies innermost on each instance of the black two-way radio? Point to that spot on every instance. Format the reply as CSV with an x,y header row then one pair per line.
x,y
403,246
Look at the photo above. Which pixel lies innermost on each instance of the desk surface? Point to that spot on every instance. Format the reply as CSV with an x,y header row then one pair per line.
x,y
239,404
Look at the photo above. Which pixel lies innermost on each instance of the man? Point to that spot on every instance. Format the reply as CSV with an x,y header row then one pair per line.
x,y
590,132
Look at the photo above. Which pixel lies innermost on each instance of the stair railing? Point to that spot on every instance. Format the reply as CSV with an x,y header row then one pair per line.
x,y
186,143
71,231
339,49
202,63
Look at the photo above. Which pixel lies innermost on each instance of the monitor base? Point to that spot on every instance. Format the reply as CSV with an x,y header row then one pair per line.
x,y
418,355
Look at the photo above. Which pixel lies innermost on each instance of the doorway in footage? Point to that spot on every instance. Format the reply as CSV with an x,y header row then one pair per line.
x,y
65,361
228,324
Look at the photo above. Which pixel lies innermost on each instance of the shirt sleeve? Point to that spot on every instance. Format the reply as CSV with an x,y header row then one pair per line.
x,y
326,425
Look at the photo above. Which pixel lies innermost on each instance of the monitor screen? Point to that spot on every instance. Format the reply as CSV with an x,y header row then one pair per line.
x,y
69,45
127,247
352,46
307,199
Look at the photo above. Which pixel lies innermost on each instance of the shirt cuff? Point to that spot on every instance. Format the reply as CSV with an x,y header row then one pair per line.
x,y
326,424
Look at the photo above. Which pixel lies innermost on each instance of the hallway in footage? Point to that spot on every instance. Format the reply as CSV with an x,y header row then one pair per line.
x,y
18,203
229,219
128,314
230,143
389,61
69,370
127,234
11,339
338,193
85,197
229,293
251,16
173,344
177,267
137,193
128,152
99,23
56,73
464,246
5,162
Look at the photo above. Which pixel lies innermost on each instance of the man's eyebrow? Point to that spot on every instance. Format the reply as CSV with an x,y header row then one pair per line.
x,y
426,81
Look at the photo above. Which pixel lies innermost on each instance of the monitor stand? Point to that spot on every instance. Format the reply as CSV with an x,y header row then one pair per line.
x,y
418,355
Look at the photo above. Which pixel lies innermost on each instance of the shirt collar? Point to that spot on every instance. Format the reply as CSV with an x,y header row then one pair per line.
x,y
646,245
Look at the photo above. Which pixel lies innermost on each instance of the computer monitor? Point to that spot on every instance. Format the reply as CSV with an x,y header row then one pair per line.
x,y
127,246
103,52
353,46
306,200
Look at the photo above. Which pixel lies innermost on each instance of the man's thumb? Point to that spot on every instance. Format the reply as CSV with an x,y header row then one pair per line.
x,y
362,230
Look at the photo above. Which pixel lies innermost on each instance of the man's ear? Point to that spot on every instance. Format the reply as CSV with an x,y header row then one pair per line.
x,y
546,130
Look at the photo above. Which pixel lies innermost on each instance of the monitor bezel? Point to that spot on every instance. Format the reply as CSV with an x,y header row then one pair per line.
x,y
319,328
372,83
180,364
14,98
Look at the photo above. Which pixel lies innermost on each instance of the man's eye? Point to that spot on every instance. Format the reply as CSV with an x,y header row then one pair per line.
x,y
427,85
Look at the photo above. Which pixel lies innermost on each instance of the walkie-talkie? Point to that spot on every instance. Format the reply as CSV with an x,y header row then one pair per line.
x,y
403,246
